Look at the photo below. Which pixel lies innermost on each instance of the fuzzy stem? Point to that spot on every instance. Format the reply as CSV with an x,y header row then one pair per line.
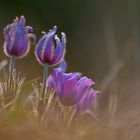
x,y
44,87
42,100
11,68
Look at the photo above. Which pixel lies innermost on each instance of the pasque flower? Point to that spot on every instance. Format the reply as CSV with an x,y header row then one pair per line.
x,y
17,38
88,98
70,87
50,49
17,43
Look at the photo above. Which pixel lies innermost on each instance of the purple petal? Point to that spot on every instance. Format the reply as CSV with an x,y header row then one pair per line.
x,y
6,31
39,49
23,49
75,75
49,45
62,67
17,36
57,50
60,49
50,82
57,78
88,100
83,85
69,94
6,48
85,82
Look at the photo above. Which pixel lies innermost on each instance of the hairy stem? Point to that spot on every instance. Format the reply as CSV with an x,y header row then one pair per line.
x,y
11,68
44,87
42,100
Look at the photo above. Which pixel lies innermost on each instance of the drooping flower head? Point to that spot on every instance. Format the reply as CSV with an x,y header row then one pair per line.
x,y
70,87
50,49
17,38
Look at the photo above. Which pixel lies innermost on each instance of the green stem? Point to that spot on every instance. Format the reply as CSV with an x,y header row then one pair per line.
x,y
42,99
44,85
11,68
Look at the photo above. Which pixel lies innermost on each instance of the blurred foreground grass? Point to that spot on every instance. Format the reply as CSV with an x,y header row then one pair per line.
x,y
117,117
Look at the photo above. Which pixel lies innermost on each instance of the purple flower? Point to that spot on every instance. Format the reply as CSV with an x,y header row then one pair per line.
x,y
17,37
50,49
88,100
62,68
70,87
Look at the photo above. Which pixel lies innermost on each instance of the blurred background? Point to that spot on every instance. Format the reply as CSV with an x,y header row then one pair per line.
x,y
100,34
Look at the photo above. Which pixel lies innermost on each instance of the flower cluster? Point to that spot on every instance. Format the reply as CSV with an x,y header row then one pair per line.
x,y
70,88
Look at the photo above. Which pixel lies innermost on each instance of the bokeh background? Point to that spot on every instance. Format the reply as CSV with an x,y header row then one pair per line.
x,y
99,34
